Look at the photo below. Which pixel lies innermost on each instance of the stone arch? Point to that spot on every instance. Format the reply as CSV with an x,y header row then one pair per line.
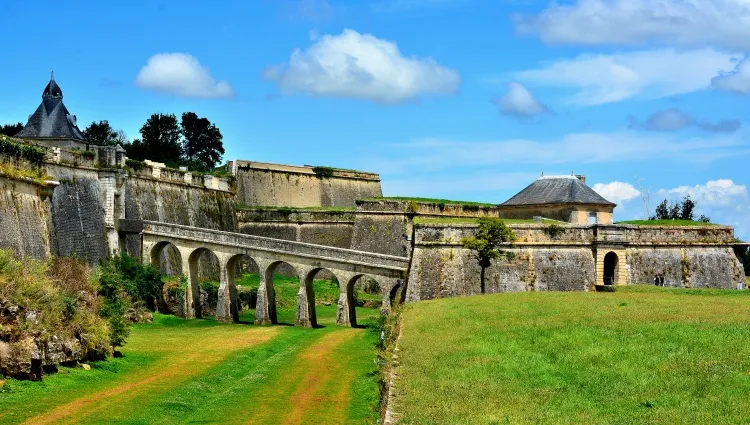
x,y
198,271
267,280
394,293
320,273
611,269
166,257
237,265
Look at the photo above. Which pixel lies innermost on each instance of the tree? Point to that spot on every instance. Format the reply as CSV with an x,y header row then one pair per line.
x,y
662,212
674,211
203,141
686,208
704,219
492,234
161,139
11,129
100,133
746,261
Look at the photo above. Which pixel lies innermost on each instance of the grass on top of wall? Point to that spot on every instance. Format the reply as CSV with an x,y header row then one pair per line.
x,y
431,201
470,220
290,210
641,354
667,223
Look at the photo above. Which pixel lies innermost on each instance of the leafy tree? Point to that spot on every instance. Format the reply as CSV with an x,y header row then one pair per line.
x,y
100,133
490,236
203,141
11,129
674,211
704,219
662,212
161,139
746,261
686,208
136,150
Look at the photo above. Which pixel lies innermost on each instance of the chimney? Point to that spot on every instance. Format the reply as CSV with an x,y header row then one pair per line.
x,y
581,178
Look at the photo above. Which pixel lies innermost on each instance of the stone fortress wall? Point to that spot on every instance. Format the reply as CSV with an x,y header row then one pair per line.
x,y
263,184
89,197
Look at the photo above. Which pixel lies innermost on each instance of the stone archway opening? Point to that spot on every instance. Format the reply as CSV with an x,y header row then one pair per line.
x,y
397,294
167,259
364,299
610,269
282,288
323,289
204,280
243,278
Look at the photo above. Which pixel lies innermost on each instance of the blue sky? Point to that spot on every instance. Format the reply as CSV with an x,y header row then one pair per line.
x,y
460,99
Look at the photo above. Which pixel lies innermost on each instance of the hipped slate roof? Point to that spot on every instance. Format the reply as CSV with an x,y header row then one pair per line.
x,y
557,190
52,119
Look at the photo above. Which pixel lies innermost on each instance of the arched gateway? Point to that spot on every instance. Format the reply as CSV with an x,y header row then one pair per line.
x,y
611,268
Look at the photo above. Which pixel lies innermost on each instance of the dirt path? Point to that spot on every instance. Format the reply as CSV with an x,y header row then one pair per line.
x,y
181,363
322,390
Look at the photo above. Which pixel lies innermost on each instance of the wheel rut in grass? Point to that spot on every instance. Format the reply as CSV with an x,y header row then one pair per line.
x,y
322,389
182,363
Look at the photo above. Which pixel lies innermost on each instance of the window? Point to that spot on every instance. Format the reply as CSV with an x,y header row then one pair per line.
x,y
592,218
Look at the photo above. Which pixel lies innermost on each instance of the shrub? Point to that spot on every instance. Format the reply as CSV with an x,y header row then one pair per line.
x,y
553,230
17,149
89,155
323,171
212,291
135,164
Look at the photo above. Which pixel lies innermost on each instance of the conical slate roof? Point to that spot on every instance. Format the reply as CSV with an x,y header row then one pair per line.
x,y
557,190
52,119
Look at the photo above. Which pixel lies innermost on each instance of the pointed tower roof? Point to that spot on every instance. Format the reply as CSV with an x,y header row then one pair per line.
x,y
51,120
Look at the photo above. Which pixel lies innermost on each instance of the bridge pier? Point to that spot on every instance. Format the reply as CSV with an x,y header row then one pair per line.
x,y
345,314
265,307
191,274
306,315
227,307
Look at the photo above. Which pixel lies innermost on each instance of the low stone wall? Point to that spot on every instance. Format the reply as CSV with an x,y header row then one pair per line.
x,y
566,259
320,227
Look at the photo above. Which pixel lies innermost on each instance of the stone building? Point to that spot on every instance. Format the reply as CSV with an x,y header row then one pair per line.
x,y
564,198
52,124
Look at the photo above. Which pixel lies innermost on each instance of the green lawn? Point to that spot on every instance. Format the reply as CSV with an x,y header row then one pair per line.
x,y
638,355
667,223
177,371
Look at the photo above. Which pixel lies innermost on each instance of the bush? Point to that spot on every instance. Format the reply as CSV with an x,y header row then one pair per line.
x,y
89,155
144,283
135,164
17,149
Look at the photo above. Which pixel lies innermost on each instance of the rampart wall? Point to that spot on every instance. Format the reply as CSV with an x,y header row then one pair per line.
x,y
262,184
570,259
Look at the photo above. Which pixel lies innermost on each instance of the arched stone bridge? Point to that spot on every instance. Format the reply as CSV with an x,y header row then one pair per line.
x,y
346,264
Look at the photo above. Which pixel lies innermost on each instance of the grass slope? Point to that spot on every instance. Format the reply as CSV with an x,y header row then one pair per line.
x,y
666,223
177,371
638,355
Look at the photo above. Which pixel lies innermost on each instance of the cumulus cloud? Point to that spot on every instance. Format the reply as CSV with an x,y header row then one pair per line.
x,y
722,200
361,66
737,80
182,75
608,78
720,23
519,102
616,192
674,119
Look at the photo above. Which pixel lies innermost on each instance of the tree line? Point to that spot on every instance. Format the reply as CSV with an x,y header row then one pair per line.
x,y
683,210
192,141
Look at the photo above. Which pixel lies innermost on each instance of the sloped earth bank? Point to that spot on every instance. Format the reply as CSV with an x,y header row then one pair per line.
x,y
199,371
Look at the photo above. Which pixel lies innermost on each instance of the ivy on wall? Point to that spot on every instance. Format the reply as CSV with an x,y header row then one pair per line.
x,y
16,149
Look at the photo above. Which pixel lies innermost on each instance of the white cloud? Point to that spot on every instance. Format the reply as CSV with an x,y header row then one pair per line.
x,y
575,148
722,200
607,78
674,119
720,23
617,192
181,74
519,102
361,66
737,80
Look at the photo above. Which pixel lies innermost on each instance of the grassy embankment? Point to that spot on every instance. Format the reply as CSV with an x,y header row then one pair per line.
x,y
667,223
638,355
177,371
